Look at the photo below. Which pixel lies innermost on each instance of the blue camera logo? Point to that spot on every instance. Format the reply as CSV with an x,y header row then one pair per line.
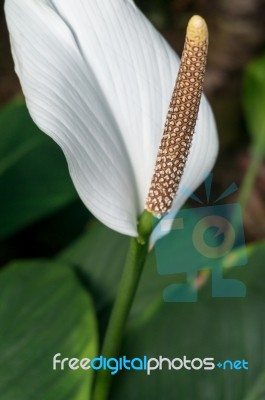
x,y
198,239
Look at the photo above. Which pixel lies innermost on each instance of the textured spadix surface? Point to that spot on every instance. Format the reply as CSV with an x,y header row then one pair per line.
x,y
181,119
98,78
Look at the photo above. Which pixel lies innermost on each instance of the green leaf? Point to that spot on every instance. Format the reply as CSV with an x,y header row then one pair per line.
x,y
223,328
44,310
34,180
254,101
100,253
258,390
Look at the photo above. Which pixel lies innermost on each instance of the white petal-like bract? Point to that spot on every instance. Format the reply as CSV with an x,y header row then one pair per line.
x,y
98,78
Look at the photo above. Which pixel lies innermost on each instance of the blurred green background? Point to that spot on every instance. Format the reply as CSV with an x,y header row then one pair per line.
x,y
60,268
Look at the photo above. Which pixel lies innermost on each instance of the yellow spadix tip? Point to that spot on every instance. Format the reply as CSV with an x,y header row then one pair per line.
x,y
197,30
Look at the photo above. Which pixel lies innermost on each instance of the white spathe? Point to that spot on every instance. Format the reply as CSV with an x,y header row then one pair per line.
x,y
98,79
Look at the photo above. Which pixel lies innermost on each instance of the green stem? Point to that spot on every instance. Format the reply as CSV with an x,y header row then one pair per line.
x,y
249,180
126,292
257,155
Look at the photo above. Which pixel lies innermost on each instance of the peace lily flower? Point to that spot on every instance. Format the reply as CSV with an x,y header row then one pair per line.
x,y
98,78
